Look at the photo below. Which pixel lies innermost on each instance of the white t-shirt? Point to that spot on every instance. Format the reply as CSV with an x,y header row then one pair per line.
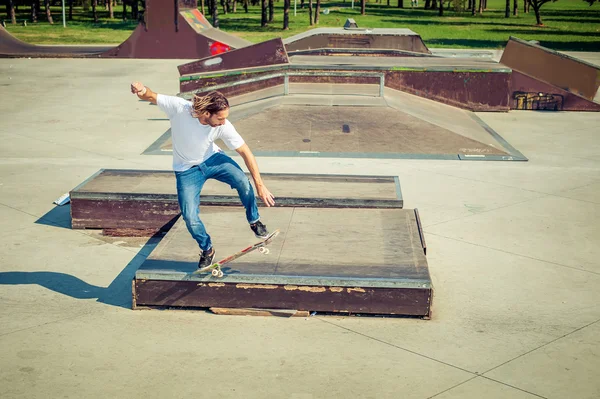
x,y
193,142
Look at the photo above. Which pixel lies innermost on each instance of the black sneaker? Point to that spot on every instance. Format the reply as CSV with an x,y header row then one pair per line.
x,y
259,229
206,258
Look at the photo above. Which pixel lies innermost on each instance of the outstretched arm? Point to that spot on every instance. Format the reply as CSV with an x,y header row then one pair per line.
x,y
262,191
143,92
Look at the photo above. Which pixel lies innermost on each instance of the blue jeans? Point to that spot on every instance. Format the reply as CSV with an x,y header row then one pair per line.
x,y
190,182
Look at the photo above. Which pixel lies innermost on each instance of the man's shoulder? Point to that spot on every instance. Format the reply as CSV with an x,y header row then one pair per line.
x,y
174,102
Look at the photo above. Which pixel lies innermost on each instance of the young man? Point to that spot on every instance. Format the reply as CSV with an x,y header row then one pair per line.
x,y
195,125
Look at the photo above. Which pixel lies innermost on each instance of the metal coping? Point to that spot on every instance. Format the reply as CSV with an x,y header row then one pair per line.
x,y
169,275
282,68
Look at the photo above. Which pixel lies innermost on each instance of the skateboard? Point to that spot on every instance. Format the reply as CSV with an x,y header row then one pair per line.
x,y
215,268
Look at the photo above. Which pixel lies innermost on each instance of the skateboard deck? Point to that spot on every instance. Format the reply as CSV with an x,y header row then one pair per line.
x,y
215,268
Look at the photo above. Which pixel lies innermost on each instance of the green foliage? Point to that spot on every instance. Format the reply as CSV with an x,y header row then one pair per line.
x,y
569,24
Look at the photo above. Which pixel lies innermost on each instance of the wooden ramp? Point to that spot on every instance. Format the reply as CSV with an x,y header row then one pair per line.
x,y
334,254
325,260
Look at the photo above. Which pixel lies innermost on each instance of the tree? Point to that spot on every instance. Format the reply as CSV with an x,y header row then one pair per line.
x,y
516,8
362,7
48,13
441,9
286,14
111,11
317,12
310,14
591,1
271,10
537,4
215,13
10,10
400,3
507,9
263,14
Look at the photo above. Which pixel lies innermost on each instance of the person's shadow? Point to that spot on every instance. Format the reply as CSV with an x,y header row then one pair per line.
x,y
118,293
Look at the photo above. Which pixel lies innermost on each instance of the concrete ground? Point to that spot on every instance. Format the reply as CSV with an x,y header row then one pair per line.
x,y
512,248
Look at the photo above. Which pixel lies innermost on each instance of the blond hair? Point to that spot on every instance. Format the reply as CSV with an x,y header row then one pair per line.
x,y
212,103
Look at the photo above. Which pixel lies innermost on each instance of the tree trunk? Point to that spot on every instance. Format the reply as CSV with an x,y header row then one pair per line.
x,y
202,7
441,8
286,14
124,10
11,12
263,18
246,6
271,10
400,3
538,17
516,7
234,7
70,10
434,5
473,7
507,9
317,12
224,7
427,4
48,13
215,13
135,10
94,11
310,15
111,11
363,6
480,7
302,4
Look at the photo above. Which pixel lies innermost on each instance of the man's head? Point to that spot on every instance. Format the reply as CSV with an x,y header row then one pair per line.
x,y
211,109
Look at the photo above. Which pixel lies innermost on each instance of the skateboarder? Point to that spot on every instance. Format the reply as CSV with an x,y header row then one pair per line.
x,y
195,125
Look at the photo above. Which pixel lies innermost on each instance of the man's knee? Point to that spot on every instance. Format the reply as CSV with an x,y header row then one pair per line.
x,y
190,216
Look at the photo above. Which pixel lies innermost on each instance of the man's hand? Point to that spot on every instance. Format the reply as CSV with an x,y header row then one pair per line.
x,y
143,92
265,195
138,88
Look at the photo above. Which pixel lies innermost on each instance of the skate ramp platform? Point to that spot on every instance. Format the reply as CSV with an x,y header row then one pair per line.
x,y
319,39
11,47
342,260
543,79
170,30
129,200
321,120
473,84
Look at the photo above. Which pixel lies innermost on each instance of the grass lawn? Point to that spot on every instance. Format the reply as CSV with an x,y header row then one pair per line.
x,y
568,24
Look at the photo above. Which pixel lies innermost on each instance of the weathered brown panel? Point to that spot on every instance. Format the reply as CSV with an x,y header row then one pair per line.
x,y
135,214
475,91
271,52
335,79
394,301
530,93
552,67
201,83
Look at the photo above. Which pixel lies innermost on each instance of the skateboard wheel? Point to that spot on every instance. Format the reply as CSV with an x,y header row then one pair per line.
x,y
263,250
220,274
215,272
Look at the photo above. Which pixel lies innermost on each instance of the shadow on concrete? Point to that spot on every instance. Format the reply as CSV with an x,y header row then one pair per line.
x,y
118,293
58,216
